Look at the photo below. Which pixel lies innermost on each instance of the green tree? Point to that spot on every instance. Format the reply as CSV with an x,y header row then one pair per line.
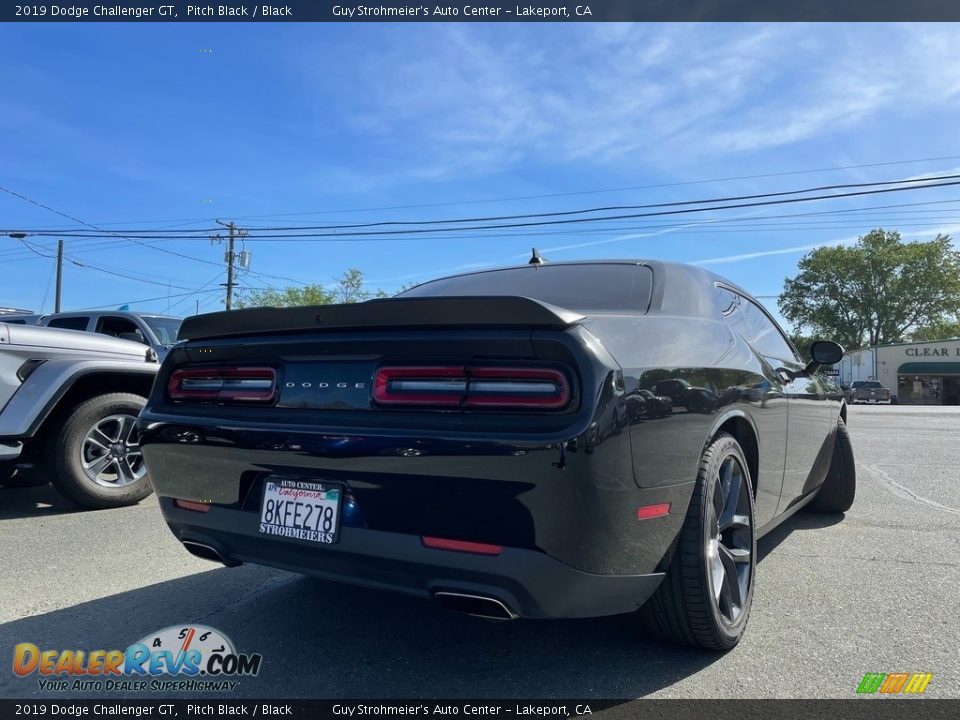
x,y
802,343
939,330
875,291
349,288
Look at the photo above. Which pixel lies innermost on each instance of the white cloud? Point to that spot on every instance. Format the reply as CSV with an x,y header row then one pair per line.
x,y
949,230
468,100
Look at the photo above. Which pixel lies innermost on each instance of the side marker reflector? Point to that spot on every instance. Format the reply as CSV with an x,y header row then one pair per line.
x,y
461,546
190,505
653,511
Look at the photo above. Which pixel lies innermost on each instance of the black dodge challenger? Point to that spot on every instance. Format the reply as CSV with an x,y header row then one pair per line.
x,y
469,441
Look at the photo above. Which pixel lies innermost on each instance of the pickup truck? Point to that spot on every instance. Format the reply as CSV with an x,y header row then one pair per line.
x,y
870,392
69,402
157,331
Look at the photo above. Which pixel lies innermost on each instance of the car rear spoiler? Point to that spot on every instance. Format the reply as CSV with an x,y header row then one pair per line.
x,y
416,312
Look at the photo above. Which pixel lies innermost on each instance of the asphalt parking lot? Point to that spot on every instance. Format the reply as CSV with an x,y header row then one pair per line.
x,y
836,597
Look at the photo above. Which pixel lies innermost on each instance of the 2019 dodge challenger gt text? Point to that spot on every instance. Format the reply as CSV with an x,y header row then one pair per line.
x,y
469,441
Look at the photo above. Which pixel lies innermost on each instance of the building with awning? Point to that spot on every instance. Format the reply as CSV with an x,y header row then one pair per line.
x,y
921,373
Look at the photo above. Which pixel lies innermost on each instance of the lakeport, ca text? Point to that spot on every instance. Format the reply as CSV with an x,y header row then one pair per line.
x,y
465,11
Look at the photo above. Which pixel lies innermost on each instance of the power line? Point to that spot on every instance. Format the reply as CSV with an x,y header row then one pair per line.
x,y
742,222
612,208
200,289
378,236
847,211
143,300
932,181
94,227
110,271
452,203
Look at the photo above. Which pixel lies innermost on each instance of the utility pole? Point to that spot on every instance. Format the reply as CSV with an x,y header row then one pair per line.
x,y
230,256
233,229
22,236
56,302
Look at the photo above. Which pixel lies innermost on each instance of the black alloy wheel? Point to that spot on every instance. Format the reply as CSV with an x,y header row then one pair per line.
x,y
706,596
729,541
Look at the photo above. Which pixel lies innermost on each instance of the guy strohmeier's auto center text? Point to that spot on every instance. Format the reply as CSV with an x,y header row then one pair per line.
x,y
253,11
463,11
498,709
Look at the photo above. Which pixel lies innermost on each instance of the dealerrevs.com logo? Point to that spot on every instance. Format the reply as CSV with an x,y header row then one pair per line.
x,y
178,658
910,683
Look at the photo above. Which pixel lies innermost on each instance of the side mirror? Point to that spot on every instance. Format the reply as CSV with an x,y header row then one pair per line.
x,y
826,352
823,352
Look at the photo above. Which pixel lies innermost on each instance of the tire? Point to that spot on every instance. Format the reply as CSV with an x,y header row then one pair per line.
x,y
116,475
838,490
687,608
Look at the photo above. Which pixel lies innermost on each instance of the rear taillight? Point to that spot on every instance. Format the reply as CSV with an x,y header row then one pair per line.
x,y
472,387
223,384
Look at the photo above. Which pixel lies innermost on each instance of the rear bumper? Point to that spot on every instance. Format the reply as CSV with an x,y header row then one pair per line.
x,y
528,582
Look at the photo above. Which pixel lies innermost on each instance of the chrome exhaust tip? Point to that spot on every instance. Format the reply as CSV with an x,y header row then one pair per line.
x,y
207,552
475,605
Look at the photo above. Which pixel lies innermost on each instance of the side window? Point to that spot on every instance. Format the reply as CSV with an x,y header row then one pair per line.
x,y
116,326
70,323
727,303
766,338
753,324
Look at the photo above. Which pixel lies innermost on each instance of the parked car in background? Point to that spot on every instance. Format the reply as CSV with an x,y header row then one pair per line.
x,y
658,406
15,316
157,331
870,392
469,441
68,407
683,394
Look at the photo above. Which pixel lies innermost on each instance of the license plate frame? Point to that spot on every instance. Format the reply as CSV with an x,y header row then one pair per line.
x,y
302,514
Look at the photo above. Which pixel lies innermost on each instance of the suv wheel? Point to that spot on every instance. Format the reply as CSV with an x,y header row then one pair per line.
x,y
706,597
94,454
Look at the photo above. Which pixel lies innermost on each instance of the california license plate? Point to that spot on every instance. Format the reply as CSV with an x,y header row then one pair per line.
x,y
301,510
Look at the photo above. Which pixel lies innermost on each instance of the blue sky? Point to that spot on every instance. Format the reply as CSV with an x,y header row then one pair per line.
x,y
134,126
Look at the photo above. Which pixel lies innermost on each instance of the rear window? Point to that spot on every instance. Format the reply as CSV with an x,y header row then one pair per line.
x,y
866,384
69,323
596,287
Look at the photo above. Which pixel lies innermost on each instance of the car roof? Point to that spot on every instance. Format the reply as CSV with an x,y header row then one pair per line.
x,y
678,288
95,313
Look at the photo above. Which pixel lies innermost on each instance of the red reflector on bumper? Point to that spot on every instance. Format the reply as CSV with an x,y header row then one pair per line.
x,y
190,505
461,546
653,511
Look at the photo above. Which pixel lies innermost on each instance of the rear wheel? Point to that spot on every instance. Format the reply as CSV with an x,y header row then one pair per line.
x,y
838,490
706,596
94,455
